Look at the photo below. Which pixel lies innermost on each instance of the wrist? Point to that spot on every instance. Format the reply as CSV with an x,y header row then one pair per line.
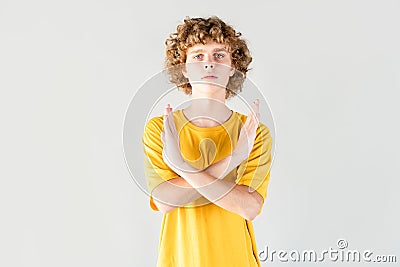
x,y
187,168
236,158
219,169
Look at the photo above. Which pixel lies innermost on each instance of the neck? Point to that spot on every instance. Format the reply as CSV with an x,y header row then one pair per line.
x,y
207,99
207,106
214,92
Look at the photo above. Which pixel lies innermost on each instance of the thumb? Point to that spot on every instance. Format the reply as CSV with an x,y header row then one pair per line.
x,y
162,137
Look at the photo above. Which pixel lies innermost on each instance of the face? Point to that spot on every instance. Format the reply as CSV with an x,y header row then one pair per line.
x,y
208,64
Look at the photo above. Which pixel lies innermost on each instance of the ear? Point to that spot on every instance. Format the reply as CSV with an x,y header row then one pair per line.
x,y
232,71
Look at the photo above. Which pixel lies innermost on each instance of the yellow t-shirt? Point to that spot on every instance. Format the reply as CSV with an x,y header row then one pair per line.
x,y
201,233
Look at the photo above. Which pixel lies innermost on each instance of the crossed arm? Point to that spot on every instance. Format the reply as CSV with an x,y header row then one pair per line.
x,y
192,183
182,190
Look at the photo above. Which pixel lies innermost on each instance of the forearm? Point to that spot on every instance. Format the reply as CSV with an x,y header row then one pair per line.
x,y
222,167
178,192
210,184
174,193
227,195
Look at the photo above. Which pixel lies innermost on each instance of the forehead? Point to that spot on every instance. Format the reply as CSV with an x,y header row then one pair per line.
x,y
210,46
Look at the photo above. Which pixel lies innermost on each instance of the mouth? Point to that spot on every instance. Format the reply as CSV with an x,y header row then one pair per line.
x,y
210,77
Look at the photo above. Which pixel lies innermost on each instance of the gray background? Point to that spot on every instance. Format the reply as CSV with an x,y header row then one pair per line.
x,y
329,70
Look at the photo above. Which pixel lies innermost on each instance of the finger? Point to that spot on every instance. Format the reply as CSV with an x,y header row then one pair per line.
x,y
170,135
171,123
162,137
254,122
249,119
167,126
256,102
167,129
166,110
252,116
165,121
249,126
253,110
252,125
256,108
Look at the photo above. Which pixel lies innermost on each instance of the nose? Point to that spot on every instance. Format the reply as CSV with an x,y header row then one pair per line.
x,y
208,65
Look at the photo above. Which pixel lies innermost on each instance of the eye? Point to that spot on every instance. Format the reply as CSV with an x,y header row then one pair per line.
x,y
199,56
219,55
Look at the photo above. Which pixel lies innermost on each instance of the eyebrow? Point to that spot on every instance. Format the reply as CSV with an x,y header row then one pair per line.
x,y
214,50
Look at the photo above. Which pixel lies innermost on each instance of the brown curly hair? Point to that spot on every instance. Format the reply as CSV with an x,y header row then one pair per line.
x,y
198,30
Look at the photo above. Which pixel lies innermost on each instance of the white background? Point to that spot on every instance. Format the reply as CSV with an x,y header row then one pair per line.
x,y
68,69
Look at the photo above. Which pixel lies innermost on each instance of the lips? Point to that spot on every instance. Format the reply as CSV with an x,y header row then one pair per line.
x,y
210,77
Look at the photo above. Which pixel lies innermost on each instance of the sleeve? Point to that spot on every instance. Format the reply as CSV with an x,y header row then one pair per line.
x,y
255,171
155,169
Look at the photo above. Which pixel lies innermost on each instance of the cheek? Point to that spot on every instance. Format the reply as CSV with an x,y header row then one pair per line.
x,y
228,62
224,68
194,70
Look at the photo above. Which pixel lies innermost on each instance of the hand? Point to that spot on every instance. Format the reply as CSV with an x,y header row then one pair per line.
x,y
171,152
247,134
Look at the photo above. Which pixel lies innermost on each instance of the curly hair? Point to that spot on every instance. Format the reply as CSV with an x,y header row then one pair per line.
x,y
198,30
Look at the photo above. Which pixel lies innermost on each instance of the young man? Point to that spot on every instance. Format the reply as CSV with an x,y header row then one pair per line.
x,y
207,167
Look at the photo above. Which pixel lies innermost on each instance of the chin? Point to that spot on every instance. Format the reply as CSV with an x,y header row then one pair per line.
x,y
210,87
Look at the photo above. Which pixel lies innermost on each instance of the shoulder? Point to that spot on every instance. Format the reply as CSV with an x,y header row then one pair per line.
x,y
154,123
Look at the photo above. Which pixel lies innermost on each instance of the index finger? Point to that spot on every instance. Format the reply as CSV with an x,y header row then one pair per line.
x,y
166,111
